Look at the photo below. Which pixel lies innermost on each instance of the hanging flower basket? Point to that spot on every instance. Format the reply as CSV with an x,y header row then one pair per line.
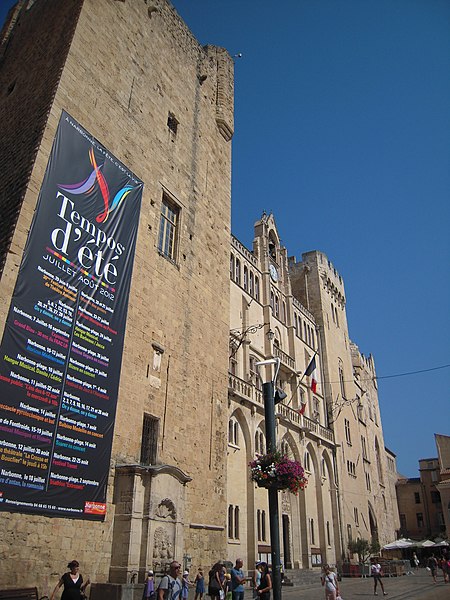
x,y
276,471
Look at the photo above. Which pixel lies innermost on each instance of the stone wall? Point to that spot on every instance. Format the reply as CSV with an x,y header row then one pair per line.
x,y
128,67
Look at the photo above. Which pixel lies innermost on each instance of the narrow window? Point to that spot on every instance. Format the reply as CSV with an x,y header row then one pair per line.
x,y
251,288
348,436
236,522
245,278
311,525
417,497
419,517
403,522
341,379
231,266
149,444
328,534
258,524
237,276
257,288
263,525
172,123
168,228
230,521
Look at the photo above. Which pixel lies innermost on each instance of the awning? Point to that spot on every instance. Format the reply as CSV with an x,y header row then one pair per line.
x,y
399,544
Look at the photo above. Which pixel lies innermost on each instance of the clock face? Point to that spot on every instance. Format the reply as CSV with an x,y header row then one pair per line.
x,y
273,272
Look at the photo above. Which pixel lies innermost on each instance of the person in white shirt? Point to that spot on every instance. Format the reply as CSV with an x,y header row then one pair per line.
x,y
377,572
170,585
330,581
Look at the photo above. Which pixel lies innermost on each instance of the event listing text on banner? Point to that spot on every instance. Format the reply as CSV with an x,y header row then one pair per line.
x,y
61,351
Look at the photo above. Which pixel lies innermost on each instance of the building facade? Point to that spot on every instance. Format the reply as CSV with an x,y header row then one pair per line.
x,y
296,311
135,78
202,312
424,501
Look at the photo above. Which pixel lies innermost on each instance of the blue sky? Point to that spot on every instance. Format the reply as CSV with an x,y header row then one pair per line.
x,y
342,130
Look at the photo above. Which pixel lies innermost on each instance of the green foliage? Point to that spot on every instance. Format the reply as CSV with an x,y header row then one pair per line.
x,y
363,549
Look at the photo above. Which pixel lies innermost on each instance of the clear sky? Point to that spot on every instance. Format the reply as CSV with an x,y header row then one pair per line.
x,y
342,130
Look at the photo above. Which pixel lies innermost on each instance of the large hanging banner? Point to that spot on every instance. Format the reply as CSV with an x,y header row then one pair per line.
x,y
61,352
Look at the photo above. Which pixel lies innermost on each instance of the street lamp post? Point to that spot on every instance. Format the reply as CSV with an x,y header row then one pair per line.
x,y
269,414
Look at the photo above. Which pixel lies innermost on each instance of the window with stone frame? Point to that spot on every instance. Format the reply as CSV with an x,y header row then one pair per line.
x,y
169,228
348,436
149,442
261,525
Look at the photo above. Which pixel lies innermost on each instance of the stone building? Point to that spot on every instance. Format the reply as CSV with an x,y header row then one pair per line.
x,y
296,311
133,76
424,501
189,408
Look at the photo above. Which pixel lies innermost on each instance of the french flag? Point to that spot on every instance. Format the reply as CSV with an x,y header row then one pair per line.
x,y
311,370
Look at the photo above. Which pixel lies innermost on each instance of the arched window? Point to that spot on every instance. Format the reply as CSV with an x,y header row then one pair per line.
x,y
232,266
245,278
259,442
283,312
251,286
307,462
328,534
237,273
233,432
277,306
257,288
233,522
272,246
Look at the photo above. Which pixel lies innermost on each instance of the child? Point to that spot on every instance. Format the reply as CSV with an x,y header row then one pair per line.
x,y
149,587
199,585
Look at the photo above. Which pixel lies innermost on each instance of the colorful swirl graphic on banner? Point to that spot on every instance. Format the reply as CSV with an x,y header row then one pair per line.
x,y
87,185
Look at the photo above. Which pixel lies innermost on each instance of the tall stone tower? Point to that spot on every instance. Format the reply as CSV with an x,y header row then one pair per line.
x,y
351,395
133,76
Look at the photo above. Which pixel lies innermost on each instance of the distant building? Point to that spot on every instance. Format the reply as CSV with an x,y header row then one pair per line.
x,y
424,501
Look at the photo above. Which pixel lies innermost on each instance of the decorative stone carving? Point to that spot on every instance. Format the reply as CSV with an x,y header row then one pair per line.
x,y
166,509
162,546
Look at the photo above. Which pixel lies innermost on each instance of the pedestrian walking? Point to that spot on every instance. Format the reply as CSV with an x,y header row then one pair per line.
x,y
185,583
73,583
170,585
199,585
432,566
215,585
149,587
377,573
330,582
